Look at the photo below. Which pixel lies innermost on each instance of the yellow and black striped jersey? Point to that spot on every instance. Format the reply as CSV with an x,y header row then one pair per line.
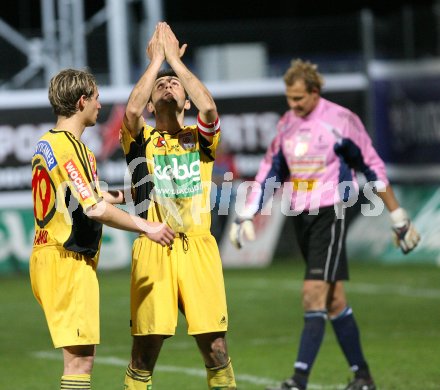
x,y
64,184
171,174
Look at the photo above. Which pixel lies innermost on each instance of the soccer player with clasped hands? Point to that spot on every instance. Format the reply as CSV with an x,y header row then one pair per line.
x,y
317,150
171,166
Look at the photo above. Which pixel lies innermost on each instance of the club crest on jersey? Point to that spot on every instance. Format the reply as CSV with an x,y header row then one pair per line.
x,y
187,141
159,142
77,179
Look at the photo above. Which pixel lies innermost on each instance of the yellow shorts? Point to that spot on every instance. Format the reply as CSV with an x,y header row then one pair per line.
x,y
66,286
189,277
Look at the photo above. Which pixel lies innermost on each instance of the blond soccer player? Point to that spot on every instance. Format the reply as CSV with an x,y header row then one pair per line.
x,y
69,211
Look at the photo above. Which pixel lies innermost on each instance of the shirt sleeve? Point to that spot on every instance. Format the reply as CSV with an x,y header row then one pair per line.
x,y
126,139
272,173
358,151
78,169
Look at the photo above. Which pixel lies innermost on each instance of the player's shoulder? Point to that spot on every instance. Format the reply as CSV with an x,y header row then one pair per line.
x,y
337,112
336,107
58,139
148,128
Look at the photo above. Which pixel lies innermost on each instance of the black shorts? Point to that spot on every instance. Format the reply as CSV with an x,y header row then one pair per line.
x,y
321,239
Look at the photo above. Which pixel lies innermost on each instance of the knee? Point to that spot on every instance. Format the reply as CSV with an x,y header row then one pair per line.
x,y
219,352
145,351
336,304
314,297
335,307
79,359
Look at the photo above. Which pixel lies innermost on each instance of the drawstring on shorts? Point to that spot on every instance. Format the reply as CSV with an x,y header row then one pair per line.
x,y
185,241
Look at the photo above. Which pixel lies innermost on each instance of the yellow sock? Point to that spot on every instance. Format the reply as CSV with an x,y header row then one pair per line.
x,y
75,382
221,378
136,379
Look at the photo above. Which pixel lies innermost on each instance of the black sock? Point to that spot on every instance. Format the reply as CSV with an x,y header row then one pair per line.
x,y
311,340
347,333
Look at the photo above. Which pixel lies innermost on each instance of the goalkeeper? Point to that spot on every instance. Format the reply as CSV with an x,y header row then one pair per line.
x,y
317,150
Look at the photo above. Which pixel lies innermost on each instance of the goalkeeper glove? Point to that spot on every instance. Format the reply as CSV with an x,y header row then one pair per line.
x,y
405,234
241,229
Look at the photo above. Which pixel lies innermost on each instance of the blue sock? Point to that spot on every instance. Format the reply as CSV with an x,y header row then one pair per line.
x,y
347,333
311,340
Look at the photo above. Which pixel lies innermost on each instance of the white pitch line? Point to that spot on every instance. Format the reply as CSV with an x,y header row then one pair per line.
x,y
115,361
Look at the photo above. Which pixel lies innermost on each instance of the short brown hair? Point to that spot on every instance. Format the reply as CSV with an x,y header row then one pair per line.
x,y
166,72
67,87
304,70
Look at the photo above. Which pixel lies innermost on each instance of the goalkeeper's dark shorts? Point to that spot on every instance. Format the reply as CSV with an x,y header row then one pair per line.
x,y
321,239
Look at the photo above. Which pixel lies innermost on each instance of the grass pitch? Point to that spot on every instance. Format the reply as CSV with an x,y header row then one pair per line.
x,y
397,308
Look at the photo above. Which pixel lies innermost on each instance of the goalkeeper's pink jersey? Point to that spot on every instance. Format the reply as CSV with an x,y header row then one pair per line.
x,y
316,157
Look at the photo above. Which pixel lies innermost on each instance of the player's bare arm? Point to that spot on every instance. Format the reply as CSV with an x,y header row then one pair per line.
x,y
114,196
112,216
141,92
196,90
388,198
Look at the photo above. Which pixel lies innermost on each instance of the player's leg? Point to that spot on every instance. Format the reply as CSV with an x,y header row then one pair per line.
x,y
203,298
220,373
144,354
347,333
70,278
315,315
78,365
319,238
153,310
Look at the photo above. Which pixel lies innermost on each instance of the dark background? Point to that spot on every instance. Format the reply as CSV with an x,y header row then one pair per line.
x,y
325,32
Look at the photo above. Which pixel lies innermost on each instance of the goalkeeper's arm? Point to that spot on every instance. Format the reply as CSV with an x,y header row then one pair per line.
x,y
272,173
243,226
404,233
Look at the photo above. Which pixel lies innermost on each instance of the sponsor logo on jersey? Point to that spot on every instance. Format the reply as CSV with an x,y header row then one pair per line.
x,y
307,164
44,149
187,141
304,184
77,179
177,176
93,166
41,237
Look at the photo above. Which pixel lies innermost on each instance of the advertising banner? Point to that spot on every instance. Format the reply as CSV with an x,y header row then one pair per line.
x,y
248,123
245,136
248,126
17,235
407,118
